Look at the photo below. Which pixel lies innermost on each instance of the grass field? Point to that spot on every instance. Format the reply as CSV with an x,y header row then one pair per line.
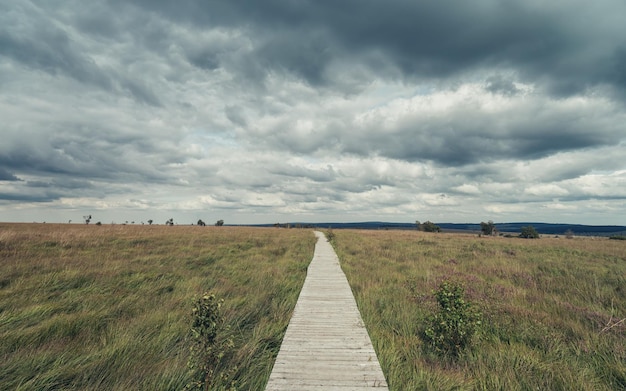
x,y
109,307
551,308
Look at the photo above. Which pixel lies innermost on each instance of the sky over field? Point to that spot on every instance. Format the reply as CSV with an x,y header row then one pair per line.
x,y
296,110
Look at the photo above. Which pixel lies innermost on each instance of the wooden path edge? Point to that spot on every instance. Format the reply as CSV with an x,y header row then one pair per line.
x,y
326,345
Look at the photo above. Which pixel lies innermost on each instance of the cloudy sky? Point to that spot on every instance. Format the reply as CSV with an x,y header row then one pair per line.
x,y
263,111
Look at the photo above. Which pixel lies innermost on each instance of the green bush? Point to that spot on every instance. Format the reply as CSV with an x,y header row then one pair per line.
x,y
617,237
330,235
487,228
452,328
209,344
529,232
429,226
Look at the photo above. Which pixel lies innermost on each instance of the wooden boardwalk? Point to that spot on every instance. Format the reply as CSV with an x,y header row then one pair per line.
x,y
326,346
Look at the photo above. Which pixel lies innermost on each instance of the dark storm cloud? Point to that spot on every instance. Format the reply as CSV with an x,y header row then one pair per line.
x,y
457,144
568,47
41,45
419,40
456,128
7,176
497,84
548,45
43,197
53,189
30,37
72,150
65,183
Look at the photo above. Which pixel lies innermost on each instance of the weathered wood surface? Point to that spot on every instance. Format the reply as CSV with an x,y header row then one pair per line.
x,y
326,346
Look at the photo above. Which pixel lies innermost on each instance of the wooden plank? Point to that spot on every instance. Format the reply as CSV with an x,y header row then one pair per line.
x,y
326,346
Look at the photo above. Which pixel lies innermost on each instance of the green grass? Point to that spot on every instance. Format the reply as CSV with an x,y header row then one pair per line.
x,y
551,308
109,307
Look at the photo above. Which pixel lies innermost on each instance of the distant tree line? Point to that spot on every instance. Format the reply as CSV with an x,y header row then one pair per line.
x,y
218,223
170,222
488,229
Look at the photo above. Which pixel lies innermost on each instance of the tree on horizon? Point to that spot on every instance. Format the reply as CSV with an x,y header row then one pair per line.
x,y
488,228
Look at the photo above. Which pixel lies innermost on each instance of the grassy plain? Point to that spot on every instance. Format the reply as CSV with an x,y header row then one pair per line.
x,y
109,307
552,308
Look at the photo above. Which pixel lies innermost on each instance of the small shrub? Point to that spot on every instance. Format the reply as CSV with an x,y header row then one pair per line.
x,y
529,232
452,328
330,235
488,228
617,237
430,227
209,344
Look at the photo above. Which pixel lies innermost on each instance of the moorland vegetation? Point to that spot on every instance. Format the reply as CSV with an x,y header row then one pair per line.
x,y
552,310
86,307
90,307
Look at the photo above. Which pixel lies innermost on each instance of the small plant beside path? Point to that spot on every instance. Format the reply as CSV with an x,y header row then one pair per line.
x,y
209,344
330,235
452,328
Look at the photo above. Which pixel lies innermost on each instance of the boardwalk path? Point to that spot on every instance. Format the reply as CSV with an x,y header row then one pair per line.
x,y
326,346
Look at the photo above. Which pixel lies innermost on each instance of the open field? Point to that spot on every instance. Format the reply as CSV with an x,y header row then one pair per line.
x,y
551,308
109,307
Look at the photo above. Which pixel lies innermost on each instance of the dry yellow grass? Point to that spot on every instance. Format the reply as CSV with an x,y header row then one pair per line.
x,y
109,307
549,305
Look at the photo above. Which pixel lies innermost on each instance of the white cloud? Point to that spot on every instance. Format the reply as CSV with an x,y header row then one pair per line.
x,y
468,189
546,190
556,205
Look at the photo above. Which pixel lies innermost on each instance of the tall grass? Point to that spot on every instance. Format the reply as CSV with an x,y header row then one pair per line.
x,y
109,307
551,308
87,307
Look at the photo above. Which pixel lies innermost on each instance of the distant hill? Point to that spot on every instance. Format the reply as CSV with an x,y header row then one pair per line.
x,y
542,228
548,228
